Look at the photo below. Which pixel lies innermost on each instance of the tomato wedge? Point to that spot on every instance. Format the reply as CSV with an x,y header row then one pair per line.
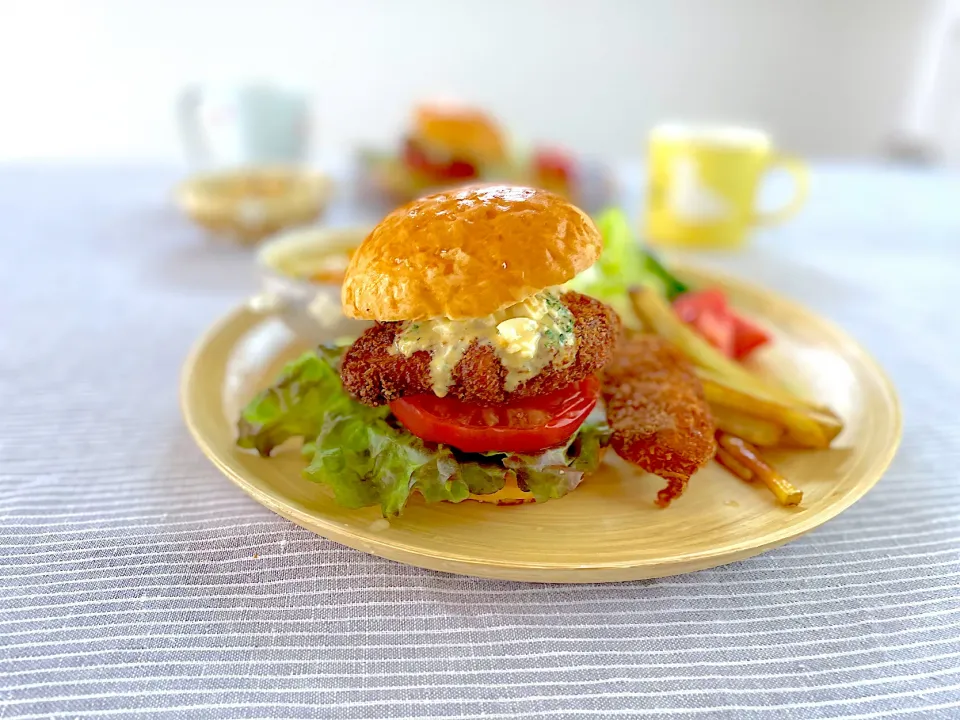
x,y
553,163
525,426
747,337
690,305
718,329
707,311
417,159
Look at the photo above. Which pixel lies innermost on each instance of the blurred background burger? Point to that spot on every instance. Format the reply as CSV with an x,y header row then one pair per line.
x,y
453,143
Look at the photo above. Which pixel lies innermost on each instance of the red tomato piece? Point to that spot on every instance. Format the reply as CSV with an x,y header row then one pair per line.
x,y
413,156
529,425
457,169
553,163
708,312
689,305
717,329
747,337
417,160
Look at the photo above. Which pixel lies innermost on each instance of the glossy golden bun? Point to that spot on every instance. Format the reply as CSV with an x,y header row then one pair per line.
x,y
462,132
468,253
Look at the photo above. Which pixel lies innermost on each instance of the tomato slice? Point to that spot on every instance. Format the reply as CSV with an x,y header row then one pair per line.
x,y
529,425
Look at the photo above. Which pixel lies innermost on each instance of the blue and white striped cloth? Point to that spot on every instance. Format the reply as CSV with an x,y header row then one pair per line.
x,y
136,582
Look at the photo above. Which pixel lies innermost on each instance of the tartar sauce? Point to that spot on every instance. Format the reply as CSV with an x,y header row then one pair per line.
x,y
527,337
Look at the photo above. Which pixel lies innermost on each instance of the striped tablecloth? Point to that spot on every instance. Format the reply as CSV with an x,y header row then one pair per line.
x,y
137,582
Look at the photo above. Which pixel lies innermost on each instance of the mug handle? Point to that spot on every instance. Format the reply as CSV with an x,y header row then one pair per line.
x,y
801,187
188,105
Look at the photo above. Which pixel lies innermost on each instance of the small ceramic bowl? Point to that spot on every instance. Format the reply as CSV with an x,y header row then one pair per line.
x,y
301,272
248,204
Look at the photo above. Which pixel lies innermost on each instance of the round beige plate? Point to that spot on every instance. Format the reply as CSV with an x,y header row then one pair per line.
x,y
609,529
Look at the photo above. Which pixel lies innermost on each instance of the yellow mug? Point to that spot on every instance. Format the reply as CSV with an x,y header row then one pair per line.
x,y
703,184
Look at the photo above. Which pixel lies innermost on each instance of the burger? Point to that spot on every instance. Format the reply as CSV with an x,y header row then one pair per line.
x,y
452,144
477,378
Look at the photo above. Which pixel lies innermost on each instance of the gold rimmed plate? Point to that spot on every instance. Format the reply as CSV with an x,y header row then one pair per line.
x,y
608,529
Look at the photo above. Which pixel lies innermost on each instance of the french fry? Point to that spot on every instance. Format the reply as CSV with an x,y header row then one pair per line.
x,y
799,425
746,455
755,430
829,422
728,384
734,465
656,313
799,420
830,425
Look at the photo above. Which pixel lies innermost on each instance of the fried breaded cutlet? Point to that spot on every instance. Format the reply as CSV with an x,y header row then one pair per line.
x,y
375,375
656,409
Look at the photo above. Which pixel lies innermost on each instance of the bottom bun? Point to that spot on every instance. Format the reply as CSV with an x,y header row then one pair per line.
x,y
509,494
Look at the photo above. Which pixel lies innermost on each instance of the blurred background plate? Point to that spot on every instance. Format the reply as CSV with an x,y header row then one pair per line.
x,y
248,204
609,529
301,271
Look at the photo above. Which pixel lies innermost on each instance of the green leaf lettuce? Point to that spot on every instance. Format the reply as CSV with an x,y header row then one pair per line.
x,y
624,263
366,458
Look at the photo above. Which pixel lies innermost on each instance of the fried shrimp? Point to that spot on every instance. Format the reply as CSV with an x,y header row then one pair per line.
x,y
656,409
375,374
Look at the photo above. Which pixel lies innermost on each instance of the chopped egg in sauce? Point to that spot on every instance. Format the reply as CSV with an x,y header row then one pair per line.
x,y
526,337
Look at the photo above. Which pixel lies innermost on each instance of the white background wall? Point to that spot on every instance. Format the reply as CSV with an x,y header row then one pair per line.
x,y
98,78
